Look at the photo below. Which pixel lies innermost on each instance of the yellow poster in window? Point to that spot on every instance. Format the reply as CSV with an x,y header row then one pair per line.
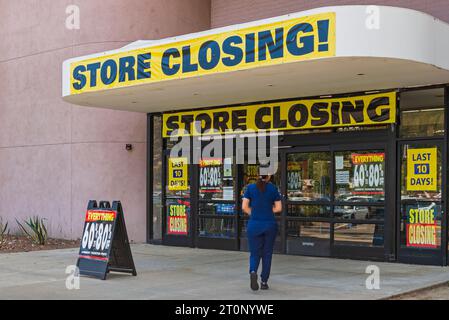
x,y
177,174
422,169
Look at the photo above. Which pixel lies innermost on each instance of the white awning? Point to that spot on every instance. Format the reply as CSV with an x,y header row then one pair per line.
x,y
375,47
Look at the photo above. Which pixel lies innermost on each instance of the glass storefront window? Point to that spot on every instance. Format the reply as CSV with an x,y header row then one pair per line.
x,y
305,211
306,229
218,209
359,176
368,235
244,226
308,238
216,227
422,123
421,206
216,179
308,176
359,212
422,113
157,178
251,174
177,202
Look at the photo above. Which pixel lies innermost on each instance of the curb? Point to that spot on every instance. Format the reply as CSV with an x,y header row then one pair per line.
x,y
429,287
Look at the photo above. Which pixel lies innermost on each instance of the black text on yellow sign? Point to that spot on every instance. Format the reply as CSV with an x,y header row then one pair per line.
x,y
375,109
422,169
177,219
421,228
278,42
177,174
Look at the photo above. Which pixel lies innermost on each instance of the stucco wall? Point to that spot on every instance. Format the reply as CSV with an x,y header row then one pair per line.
x,y
238,11
54,156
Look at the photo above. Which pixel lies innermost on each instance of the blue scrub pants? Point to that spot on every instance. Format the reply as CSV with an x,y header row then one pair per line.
x,y
261,237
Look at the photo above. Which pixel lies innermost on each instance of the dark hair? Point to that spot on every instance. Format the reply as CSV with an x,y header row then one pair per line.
x,y
261,183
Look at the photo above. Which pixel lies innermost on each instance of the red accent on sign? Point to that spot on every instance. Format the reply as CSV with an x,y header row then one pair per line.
x,y
93,258
177,225
100,215
414,245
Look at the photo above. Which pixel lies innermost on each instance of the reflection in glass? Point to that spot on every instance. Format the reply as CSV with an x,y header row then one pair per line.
x,y
370,235
359,176
218,209
308,176
216,227
359,212
216,179
243,227
306,229
422,123
251,174
295,210
157,178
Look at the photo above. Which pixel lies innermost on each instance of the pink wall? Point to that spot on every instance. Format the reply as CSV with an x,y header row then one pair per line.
x,y
54,156
238,11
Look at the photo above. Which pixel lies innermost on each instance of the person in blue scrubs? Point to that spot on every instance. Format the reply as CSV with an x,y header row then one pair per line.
x,y
261,202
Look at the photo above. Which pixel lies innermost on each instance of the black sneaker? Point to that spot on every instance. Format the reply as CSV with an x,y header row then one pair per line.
x,y
264,286
254,284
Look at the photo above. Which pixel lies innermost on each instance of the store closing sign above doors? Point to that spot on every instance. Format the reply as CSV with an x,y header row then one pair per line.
x,y
278,42
372,109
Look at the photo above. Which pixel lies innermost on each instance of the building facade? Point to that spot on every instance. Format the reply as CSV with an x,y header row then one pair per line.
x,y
51,151
354,95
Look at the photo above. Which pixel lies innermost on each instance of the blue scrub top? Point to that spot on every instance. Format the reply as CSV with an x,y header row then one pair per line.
x,y
261,203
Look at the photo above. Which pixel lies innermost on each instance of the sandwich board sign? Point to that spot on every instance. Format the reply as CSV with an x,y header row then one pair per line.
x,y
104,245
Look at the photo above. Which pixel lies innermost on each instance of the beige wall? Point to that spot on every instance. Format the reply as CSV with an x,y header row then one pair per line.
x,y
238,11
54,156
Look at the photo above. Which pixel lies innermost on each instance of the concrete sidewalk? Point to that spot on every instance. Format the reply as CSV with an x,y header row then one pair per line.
x,y
184,273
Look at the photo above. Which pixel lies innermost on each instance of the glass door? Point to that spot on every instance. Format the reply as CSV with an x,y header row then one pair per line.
x,y
217,218
335,200
360,201
178,224
421,203
307,209
250,173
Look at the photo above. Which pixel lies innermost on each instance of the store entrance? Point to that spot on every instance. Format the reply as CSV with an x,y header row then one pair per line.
x,y
336,199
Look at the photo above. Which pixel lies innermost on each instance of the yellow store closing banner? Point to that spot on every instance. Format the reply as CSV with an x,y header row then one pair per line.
x,y
279,42
374,109
422,169
177,174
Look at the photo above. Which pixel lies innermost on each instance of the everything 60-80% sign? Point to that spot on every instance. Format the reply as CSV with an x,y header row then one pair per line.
x,y
97,234
368,174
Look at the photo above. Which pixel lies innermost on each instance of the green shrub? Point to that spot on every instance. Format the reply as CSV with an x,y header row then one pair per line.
x,y
3,230
35,230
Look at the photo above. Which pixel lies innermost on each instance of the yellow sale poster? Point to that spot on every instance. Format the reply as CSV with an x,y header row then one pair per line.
x,y
177,174
422,169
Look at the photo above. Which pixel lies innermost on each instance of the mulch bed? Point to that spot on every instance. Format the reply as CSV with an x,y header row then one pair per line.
x,y
13,243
